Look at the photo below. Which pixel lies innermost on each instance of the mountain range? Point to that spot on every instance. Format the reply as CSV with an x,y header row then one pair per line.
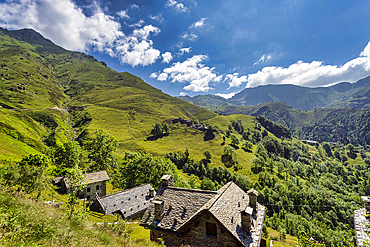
x,y
341,95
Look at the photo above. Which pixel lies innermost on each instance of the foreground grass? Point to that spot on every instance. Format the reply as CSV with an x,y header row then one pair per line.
x,y
27,222
274,235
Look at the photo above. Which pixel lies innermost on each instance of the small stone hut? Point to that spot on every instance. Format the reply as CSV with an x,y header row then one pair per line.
x,y
95,184
188,217
127,203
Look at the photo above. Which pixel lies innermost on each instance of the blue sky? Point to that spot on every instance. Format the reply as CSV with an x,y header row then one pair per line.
x,y
191,47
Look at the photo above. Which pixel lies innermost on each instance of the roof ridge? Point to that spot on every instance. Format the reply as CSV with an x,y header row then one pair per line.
x,y
97,171
195,190
126,190
219,196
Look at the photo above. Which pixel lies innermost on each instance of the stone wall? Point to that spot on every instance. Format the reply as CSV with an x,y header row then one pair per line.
x,y
102,191
197,235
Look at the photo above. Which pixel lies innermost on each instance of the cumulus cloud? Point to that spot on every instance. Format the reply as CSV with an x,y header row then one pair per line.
x,y
180,7
123,14
226,95
167,57
189,36
184,50
61,21
263,59
65,24
234,80
191,71
136,49
182,94
199,23
314,74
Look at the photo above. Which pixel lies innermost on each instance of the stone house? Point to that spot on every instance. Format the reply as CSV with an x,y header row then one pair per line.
x,y
128,203
361,222
95,184
189,217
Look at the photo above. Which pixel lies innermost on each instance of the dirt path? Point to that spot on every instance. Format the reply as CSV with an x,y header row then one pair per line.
x,y
29,109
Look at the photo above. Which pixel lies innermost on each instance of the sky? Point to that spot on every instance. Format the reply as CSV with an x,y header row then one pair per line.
x,y
192,47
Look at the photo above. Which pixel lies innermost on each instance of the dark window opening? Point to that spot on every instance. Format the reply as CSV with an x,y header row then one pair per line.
x,y
211,229
88,189
97,187
88,198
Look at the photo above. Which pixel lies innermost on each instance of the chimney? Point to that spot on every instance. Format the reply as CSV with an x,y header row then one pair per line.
x,y
366,200
158,210
246,216
252,193
151,192
167,180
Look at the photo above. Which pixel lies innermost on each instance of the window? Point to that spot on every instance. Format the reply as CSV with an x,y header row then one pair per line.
x,y
97,187
211,229
88,189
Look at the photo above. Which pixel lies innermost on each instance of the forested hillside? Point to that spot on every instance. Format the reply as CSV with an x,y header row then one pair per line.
x,y
331,125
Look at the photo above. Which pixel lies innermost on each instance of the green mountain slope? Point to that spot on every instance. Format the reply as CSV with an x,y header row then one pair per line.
x,y
49,92
208,101
360,100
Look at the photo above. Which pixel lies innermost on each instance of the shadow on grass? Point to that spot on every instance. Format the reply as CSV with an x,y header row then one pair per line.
x,y
234,146
154,138
208,136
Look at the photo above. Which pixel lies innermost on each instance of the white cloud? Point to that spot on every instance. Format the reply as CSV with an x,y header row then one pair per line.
x,y
263,59
184,50
123,14
182,94
162,77
189,36
226,95
199,23
234,80
314,74
167,57
136,49
153,75
138,24
65,24
133,7
180,7
61,21
157,18
191,71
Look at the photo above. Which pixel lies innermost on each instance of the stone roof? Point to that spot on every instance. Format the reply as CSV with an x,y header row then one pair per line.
x,y
252,191
128,202
95,177
91,178
361,222
365,198
180,204
227,209
225,205
57,180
